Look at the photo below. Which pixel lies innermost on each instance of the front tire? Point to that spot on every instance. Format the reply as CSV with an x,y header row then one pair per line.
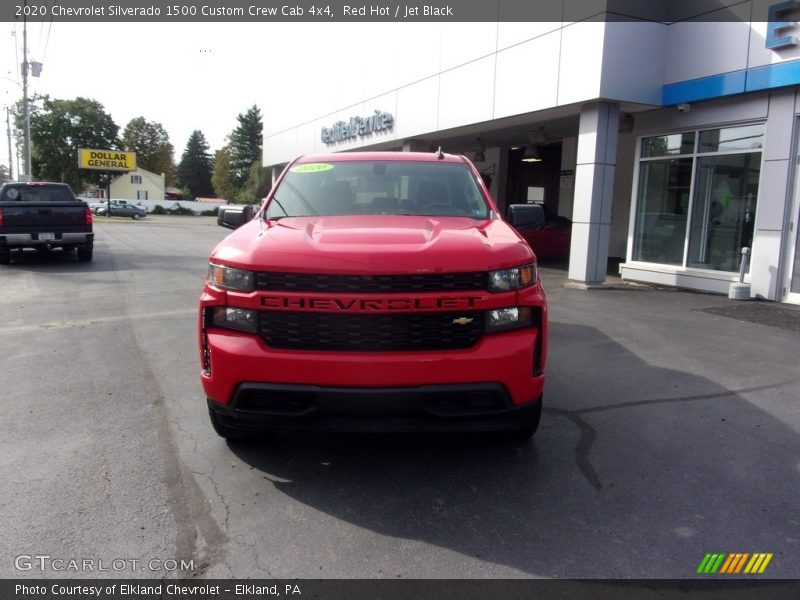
x,y
136,216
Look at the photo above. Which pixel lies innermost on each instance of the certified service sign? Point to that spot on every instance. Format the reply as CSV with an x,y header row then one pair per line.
x,y
106,160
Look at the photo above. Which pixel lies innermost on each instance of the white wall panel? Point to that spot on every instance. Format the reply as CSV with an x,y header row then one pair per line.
x,y
581,62
418,108
772,194
701,49
511,34
780,125
465,42
527,76
702,114
764,269
466,94
421,54
634,61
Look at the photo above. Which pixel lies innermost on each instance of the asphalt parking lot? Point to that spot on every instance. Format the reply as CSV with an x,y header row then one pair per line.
x,y
671,430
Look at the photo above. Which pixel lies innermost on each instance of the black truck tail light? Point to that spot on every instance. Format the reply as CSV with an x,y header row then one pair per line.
x,y
87,213
1,217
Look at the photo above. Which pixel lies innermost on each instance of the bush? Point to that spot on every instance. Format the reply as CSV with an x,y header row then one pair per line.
x,y
210,213
179,210
158,210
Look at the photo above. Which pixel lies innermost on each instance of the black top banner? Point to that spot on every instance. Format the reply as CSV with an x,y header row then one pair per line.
x,y
404,589
665,11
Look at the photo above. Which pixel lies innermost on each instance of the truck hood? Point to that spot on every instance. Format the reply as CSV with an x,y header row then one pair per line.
x,y
380,244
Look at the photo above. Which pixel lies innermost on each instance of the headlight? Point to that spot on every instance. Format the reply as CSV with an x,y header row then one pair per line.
x,y
227,278
507,280
240,319
503,319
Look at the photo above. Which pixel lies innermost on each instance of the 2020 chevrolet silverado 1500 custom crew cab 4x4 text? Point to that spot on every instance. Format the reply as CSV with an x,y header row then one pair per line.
x,y
373,291
43,215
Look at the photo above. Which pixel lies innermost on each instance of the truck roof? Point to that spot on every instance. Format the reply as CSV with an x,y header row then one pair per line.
x,y
385,156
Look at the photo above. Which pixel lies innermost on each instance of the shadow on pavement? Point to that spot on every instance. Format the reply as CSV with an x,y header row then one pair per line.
x,y
645,472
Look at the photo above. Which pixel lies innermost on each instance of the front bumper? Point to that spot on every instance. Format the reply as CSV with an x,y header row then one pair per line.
x,y
507,358
431,408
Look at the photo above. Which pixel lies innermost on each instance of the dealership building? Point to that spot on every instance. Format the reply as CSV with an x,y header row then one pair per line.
x,y
669,146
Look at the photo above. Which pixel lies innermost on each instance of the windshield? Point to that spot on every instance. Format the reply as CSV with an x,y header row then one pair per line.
x,y
37,193
378,188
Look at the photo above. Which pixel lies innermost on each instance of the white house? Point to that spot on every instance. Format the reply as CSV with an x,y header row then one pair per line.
x,y
138,185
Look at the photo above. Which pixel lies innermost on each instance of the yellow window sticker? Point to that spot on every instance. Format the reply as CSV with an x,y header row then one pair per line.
x,y
311,168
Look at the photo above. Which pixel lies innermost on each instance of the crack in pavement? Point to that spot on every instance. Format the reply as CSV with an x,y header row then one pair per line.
x,y
191,514
588,434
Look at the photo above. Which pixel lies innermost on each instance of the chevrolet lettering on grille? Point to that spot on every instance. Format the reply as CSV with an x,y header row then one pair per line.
x,y
367,304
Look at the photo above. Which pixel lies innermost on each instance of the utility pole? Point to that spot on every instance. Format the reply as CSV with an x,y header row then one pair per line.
x,y
10,156
26,115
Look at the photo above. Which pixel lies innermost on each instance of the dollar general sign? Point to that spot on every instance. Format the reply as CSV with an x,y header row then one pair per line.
x,y
106,160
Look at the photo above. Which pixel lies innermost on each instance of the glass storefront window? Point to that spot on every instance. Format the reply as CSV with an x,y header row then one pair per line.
x,y
662,210
724,209
666,145
716,214
750,137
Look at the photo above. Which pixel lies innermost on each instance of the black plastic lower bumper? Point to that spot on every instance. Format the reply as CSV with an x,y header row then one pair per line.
x,y
456,407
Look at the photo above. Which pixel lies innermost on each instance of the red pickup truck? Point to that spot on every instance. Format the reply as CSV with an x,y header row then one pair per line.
x,y
374,291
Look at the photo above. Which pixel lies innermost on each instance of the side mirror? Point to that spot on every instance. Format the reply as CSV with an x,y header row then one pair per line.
x,y
233,217
526,216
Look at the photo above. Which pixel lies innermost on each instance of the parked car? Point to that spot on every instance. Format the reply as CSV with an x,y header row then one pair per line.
x,y
94,206
550,241
122,210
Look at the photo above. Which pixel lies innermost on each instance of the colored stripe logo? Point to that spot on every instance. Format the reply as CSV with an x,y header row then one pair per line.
x,y
731,563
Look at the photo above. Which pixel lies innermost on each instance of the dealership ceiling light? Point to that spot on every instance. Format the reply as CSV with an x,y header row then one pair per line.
x,y
535,139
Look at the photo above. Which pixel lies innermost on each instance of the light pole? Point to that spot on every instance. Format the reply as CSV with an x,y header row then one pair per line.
x,y
26,115
10,156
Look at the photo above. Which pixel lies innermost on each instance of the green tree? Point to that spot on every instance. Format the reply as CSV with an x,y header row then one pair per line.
x,y
59,128
150,141
246,143
196,166
221,178
257,185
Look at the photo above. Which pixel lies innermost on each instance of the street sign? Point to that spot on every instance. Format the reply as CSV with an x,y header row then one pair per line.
x,y
106,160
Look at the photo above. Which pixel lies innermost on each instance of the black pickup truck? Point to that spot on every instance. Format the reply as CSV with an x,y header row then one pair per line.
x,y
43,215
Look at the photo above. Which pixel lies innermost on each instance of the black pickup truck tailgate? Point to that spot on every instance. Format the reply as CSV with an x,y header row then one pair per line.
x,y
36,216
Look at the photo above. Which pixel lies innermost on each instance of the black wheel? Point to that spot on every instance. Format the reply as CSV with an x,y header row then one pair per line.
x,y
136,216
232,434
85,253
5,257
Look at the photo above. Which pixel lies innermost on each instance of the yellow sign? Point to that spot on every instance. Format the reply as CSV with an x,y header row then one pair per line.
x,y
106,160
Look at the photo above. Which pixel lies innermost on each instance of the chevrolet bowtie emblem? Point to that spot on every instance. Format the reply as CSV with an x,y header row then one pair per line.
x,y
462,320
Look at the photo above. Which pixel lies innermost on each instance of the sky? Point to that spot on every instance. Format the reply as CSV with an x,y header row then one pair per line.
x,y
190,76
